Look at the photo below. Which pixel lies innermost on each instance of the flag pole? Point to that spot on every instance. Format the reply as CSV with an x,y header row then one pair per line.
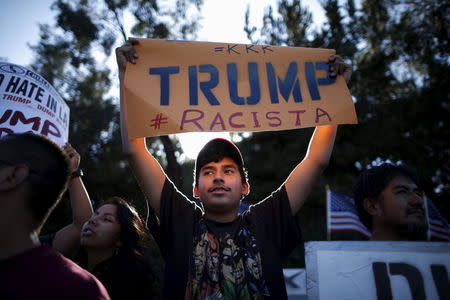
x,y
425,204
327,191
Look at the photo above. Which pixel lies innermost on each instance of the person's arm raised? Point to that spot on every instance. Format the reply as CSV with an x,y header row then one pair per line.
x,y
304,176
67,239
146,168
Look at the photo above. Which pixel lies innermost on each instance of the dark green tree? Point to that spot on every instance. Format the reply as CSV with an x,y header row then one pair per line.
x,y
72,56
399,51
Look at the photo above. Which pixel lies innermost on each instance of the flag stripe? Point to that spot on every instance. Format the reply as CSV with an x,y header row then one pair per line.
x,y
340,226
438,226
439,229
342,215
349,229
440,236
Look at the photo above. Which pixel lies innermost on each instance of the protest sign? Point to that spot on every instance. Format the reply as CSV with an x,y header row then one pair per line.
x,y
295,280
29,103
178,86
377,270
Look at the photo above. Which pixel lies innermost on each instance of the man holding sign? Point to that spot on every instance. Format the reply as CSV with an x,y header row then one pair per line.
x,y
213,252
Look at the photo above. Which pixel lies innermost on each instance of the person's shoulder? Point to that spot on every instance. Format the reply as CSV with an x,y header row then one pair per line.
x,y
74,279
265,204
171,196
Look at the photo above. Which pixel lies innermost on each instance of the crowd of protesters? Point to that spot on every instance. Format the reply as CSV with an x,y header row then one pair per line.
x,y
210,250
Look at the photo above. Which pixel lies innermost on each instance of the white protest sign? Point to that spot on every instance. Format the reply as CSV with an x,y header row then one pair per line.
x,y
29,103
378,270
295,280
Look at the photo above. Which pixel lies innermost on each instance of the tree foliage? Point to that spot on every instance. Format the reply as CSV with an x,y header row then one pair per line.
x,y
399,50
72,56
400,53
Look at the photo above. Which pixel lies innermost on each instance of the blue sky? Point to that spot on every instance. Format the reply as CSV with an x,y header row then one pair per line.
x,y
223,21
19,25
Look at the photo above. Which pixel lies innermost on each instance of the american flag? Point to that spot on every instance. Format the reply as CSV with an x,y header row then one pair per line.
x,y
342,215
438,226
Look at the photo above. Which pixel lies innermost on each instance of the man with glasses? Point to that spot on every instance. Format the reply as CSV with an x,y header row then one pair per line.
x,y
34,173
390,203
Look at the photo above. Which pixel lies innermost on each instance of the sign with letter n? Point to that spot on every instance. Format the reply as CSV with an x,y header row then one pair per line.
x,y
377,270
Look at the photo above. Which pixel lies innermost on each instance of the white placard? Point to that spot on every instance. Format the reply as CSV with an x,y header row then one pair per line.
x,y
295,280
29,103
377,270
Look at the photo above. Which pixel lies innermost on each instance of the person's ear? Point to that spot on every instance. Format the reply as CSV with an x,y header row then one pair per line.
x,y
13,176
245,189
372,206
195,192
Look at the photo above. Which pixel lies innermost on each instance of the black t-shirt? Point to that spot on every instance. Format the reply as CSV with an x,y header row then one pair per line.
x,y
123,277
258,241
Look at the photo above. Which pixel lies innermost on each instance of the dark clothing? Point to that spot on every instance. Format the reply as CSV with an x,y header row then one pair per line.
x,y
199,253
123,278
42,273
47,239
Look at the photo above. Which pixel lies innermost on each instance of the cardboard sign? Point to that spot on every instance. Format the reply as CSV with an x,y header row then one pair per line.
x,y
378,270
178,86
29,103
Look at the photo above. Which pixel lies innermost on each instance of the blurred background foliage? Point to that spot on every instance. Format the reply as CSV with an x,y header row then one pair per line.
x,y
399,51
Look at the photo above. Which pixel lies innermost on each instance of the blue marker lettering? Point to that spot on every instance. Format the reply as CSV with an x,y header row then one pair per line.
x,y
165,73
193,85
255,91
321,65
311,81
207,86
289,85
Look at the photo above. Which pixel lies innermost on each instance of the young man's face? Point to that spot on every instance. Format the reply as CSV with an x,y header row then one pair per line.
x,y
220,185
402,208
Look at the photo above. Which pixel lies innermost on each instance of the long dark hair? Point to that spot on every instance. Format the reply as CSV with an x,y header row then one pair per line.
x,y
137,250
133,236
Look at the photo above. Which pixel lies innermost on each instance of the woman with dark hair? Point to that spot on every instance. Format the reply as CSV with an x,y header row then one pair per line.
x,y
112,244
113,248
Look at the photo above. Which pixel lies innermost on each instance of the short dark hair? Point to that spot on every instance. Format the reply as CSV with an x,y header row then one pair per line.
x,y
373,181
216,150
48,170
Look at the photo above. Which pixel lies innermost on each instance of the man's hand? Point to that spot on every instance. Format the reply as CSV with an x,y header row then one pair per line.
x,y
126,53
74,157
339,67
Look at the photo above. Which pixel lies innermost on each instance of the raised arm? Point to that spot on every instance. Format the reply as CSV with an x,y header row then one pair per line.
x,y
146,168
304,176
67,240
